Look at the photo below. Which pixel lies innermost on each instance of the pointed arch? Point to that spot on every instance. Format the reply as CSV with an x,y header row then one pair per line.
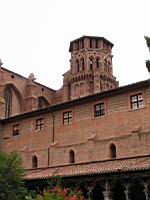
x,y
8,102
16,100
42,102
71,156
91,63
137,188
34,161
105,62
113,151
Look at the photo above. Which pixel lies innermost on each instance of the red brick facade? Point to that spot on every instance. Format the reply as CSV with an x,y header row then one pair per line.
x,y
89,119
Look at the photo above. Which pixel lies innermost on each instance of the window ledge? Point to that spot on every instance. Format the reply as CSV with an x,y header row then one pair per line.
x,y
136,109
39,130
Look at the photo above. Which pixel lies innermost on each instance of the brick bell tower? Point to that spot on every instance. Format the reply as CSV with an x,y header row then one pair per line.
x,y
90,68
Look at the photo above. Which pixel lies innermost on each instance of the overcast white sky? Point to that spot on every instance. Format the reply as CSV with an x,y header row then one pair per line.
x,y
35,35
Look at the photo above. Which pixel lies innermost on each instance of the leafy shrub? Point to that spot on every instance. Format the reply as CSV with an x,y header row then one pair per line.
x,y
56,192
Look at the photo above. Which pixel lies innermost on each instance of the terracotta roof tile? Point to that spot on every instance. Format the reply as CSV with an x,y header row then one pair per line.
x,y
101,167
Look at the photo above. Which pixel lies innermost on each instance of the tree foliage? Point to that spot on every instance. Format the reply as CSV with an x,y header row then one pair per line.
x,y
147,40
11,177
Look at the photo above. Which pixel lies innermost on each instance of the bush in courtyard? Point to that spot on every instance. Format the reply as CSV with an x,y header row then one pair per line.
x,y
56,192
11,177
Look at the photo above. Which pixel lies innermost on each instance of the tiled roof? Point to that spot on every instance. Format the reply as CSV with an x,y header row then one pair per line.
x,y
101,167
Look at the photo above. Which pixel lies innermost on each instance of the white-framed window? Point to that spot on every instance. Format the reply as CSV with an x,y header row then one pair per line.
x,y
99,109
136,101
67,117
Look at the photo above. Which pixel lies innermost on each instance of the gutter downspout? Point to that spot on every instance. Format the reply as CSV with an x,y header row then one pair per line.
x,y
53,139
53,129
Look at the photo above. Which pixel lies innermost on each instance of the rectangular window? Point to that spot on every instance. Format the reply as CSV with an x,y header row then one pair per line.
x,y
40,124
99,110
67,117
136,101
16,129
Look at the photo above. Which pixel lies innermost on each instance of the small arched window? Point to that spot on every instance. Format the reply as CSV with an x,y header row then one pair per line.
x,y
81,88
71,156
8,102
34,162
77,46
96,43
76,90
82,44
82,63
91,63
91,43
112,151
97,63
101,87
77,66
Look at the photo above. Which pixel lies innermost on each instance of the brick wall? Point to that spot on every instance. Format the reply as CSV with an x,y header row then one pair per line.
x,y
89,137
24,95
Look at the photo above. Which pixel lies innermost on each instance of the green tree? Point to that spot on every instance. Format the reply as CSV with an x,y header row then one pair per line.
x,y
148,44
11,177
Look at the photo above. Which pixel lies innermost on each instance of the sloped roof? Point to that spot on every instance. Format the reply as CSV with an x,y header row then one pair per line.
x,y
82,100
92,168
21,76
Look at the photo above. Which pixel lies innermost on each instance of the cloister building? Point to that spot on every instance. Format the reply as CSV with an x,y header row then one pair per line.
x,y
91,132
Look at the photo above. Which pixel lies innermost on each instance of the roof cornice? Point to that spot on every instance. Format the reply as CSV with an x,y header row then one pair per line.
x,y
83,100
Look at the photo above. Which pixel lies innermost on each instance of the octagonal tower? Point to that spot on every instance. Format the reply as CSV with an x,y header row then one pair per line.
x,y
91,68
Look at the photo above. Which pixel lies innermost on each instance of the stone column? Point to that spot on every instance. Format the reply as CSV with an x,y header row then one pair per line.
x,y
107,192
146,192
90,189
127,194
127,190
